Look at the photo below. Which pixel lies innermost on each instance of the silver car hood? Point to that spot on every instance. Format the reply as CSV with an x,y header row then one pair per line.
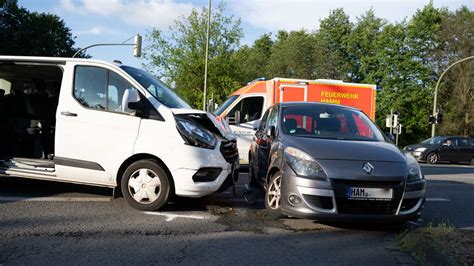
x,y
328,149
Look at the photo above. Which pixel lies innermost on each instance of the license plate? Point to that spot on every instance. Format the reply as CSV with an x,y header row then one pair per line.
x,y
369,193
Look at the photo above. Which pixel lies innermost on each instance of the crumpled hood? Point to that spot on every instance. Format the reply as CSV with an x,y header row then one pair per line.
x,y
203,117
327,149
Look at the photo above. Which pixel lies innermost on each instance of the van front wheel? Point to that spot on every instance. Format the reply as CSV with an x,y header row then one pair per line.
x,y
145,186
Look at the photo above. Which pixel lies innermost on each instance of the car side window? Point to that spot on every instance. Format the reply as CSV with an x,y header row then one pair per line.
x,y
264,120
272,118
463,142
99,88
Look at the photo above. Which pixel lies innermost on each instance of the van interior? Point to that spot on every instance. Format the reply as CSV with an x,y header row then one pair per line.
x,y
29,95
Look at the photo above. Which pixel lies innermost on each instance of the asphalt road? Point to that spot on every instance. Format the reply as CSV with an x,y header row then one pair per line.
x,y
55,223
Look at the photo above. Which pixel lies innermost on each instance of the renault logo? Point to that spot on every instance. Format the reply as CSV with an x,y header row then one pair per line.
x,y
368,168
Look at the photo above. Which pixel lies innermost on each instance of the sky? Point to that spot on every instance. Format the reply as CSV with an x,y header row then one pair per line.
x,y
114,21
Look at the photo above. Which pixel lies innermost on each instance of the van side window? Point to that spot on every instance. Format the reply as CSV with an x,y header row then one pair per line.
x,y
250,109
99,88
89,86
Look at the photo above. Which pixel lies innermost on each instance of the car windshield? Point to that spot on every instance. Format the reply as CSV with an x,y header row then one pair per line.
x,y
157,88
329,122
433,141
225,104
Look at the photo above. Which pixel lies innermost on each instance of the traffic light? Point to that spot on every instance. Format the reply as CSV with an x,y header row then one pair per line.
x,y
439,117
431,120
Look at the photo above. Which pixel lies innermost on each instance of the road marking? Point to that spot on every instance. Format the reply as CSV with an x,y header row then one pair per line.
x,y
60,199
171,216
437,199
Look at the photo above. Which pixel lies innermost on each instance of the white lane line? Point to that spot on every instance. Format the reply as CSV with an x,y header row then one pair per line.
x,y
171,216
59,199
437,199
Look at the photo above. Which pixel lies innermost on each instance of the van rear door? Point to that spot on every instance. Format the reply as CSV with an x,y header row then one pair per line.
x,y
293,93
94,132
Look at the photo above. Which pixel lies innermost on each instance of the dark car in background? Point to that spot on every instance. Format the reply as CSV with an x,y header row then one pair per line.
x,y
330,162
453,149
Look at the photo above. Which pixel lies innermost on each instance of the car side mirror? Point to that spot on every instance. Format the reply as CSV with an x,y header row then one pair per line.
x,y
390,136
271,132
256,125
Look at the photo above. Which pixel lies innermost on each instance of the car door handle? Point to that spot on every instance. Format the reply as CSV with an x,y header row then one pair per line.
x,y
67,113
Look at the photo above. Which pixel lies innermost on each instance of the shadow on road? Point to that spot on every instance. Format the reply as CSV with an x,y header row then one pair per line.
x,y
446,169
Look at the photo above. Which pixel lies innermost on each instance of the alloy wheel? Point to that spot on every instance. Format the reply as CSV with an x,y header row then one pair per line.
x,y
274,193
432,158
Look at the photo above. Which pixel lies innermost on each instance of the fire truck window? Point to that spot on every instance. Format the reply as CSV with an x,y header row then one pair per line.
x,y
250,109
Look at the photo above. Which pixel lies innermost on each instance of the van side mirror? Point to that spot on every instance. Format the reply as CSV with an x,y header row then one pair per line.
x,y
271,132
130,96
256,124
237,117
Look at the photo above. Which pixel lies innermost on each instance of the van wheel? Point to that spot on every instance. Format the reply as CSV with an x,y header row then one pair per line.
x,y
145,185
273,196
432,158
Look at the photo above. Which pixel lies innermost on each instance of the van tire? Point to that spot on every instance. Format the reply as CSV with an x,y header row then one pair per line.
x,y
145,185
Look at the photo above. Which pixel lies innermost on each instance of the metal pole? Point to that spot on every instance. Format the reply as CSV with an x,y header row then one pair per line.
x,y
207,56
391,121
100,44
436,90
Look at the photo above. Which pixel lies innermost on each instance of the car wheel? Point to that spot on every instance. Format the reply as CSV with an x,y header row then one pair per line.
x,y
145,185
273,195
432,158
252,177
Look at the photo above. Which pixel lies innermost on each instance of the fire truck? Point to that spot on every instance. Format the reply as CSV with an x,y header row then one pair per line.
x,y
245,107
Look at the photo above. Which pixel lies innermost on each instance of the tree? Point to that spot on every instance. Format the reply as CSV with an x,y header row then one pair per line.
x,y
456,93
31,33
291,55
331,53
252,62
179,57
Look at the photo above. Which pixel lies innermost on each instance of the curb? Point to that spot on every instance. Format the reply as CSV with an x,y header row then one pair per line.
x,y
401,258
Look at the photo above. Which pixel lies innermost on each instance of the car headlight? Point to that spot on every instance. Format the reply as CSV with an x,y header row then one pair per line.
x,y
414,170
303,164
422,149
195,135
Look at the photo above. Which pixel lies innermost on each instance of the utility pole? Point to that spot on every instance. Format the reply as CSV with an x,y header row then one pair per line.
x,y
433,126
207,56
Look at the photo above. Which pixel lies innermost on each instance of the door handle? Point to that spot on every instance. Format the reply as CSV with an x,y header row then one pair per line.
x,y
67,113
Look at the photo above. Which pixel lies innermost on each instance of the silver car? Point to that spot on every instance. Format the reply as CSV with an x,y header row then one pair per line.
x,y
330,162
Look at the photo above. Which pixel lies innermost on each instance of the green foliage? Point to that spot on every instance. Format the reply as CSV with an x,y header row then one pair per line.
x,y
404,58
31,33
179,58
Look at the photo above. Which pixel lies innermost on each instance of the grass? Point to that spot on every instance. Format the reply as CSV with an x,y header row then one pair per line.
x,y
440,244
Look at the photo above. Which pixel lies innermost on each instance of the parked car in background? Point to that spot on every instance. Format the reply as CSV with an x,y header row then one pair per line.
x,y
328,162
452,149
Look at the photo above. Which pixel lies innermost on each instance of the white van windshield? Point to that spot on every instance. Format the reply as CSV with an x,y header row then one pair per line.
x,y
157,88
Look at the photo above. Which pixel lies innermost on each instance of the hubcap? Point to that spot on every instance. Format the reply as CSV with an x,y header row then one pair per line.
x,y
433,158
144,185
274,193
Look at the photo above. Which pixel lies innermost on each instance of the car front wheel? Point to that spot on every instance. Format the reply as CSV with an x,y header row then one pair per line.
x,y
273,195
432,158
145,185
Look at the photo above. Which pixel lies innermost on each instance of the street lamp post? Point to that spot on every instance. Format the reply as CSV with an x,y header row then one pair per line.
x,y
137,46
207,56
436,90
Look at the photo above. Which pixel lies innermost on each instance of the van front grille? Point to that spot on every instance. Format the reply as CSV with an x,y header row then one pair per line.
x,y
229,150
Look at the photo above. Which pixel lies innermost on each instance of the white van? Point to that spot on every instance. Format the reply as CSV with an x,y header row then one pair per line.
x,y
96,123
